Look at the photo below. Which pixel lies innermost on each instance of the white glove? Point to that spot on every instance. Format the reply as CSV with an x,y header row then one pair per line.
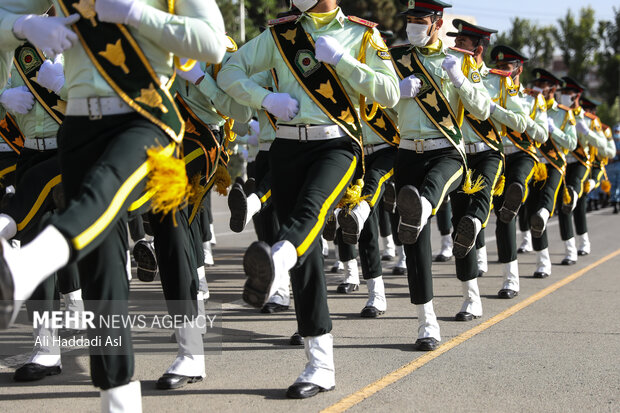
x,y
120,11
410,87
18,100
492,107
281,105
50,34
192,75
551,124
51,76
328,50
254,131
452,66
582,127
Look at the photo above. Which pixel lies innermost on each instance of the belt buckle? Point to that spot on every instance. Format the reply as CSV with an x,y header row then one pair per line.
x,y
299,129
419,146
42,140
91,114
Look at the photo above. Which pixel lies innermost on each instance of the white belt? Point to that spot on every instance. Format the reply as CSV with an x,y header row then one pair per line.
x,y
5,147
476,147
214,127
310,133
264,146
97,107
41,144
509,150
424,145
570,158
370,149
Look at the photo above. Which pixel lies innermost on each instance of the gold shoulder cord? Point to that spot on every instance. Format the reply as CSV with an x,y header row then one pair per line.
x,y
177,62
465,68
367,40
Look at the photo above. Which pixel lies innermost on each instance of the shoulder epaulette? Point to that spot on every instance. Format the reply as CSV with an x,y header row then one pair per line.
x,y
281,20
503,73
566,108
363,22
456,49
589,115
531,92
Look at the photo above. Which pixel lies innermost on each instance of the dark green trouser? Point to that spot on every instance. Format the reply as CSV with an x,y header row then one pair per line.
x,y
8,161
579,215
544,195
266,221
519,168
488,165
444,219
394,221
97,157
308,180
435,174
136,228
206,218
576,175
37,173
385,227
379,167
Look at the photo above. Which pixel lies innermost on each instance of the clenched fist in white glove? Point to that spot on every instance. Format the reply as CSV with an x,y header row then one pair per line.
x,y
120,11
328,50
582,127
51,76
550,124
254,131
17,100
452,66
50,34
281,105
410,87
192,75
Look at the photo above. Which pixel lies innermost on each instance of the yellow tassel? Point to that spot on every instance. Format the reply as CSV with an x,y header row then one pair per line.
x,y
471,188
222,180
566,198
540,172
587,187
353,195
606,186
167,180
197,191
499,186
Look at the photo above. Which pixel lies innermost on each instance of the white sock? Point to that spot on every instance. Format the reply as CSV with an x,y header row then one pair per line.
x,y
37,260
427,321
427,211
8,227
284,254
254,206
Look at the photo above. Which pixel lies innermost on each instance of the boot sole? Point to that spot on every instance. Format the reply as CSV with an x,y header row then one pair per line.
x,y
465,237
146,261
537,226
238,205
350,228
512,202
409,206
329,232
258,266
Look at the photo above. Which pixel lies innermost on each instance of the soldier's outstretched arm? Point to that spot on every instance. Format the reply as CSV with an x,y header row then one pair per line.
x,y
474,96
513,115
566,138
538,127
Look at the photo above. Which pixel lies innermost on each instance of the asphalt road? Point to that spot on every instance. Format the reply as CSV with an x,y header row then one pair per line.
x,y
557,351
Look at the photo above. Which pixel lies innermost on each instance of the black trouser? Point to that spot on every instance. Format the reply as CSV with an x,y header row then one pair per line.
x,y
103,163
8,164
519,168
435,174
379,168
308,180
136,228
385,227
444,219
576,175
487,165
265,221
544,195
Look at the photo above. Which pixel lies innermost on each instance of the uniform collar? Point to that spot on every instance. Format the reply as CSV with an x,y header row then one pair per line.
x,y
551,103
577,111
339,19
435,48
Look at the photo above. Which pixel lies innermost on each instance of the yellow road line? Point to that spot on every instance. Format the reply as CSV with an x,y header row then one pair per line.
x,y
410,367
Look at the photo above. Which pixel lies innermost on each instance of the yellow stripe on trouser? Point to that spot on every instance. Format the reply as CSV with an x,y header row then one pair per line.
x,y
454,177
37,205
117,202
265,197
301,250
8,170
497,175
583,180
555,198
384,178
527,184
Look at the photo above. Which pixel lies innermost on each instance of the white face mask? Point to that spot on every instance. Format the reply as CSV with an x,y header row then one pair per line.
x,y
537,89
417,34
305,5
566,100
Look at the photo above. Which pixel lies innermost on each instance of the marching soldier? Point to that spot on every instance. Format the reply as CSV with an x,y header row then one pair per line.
x,y
562,139
431,159
314,156
520,153
577,172
121,130
483,145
